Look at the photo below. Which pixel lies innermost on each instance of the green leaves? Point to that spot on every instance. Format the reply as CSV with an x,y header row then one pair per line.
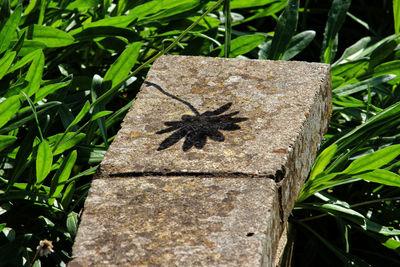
x,y
120,69
62,175
285,29
374,160
34,75
9,28
6,141
5,63
336,17
297,44
396,16
50,36
44,160
242,45
8,108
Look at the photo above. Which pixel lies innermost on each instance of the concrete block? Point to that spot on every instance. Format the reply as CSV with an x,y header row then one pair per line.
x,y
207,165
179,221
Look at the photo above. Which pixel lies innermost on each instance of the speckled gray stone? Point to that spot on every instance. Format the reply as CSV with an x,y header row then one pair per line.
x,y
207,165
276,98
178,221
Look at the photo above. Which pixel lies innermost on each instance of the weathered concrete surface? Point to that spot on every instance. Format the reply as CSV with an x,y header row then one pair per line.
x,y
179,221
276,98
211,151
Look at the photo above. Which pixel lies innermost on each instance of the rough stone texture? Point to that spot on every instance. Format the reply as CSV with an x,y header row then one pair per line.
x,y
302,154
276,97
207,165
179,221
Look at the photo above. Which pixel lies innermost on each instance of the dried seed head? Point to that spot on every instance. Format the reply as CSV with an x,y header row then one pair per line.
x,y
45,247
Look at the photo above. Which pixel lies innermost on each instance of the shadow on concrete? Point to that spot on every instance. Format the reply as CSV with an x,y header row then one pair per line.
x,y
196,129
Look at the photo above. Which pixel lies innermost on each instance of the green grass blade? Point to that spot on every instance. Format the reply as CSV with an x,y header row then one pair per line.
x,y
352,52
32,106
105,31
22,159
62,175
243,44
85,109
34,75
25,115
68,195
25,60
8,108
237,4
96,90
101,114
7,32
380,120
336,17
298,43
228,27
396,16
120,69
381,177
69,143
51,88
44,160
50,36
72,223
391,67
322,161
374,160
6,141
5,63
168,8
285,29
357,87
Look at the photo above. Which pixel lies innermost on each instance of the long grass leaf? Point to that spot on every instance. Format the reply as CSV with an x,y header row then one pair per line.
x,y
298,43
5,63
396,16
381,177
243,44
354,88
336,17
285,29
62,174
353,52
6,141
120,69
374,160
50,36
34,75
44,160
7,31
8,108
322,161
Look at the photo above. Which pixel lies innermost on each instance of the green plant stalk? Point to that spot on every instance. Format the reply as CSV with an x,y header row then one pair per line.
x,y
34,114
228,27
110,92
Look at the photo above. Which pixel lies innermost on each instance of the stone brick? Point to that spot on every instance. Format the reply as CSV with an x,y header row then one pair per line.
x,y
207,165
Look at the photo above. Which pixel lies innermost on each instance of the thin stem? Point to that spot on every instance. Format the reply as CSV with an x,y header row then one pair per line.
x,y
353,206
228,27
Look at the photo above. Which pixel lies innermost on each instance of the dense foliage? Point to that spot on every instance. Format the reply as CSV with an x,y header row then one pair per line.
x,y
69,71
